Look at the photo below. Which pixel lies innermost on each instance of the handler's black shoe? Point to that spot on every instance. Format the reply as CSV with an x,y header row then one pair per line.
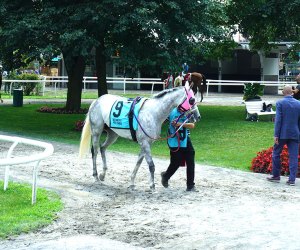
x,y
290,183
191,189
164,180
273,178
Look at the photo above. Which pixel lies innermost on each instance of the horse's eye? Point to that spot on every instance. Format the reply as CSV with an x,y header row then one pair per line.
x,y
192,101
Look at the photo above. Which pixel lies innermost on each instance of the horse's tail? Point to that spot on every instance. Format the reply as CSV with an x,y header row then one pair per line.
x,y
85,141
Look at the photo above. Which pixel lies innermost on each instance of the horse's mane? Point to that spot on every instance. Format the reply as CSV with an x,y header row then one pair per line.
x,y
164,92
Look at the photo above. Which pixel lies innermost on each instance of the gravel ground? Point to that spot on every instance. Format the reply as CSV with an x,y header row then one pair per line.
x,y
232,210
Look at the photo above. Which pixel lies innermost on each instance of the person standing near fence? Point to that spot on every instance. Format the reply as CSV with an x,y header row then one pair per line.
x,y
1,83
169,81
296,91
286,132
178,80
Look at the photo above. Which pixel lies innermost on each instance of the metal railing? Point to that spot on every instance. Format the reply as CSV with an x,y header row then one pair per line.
x,y
55,80
220,83
13,160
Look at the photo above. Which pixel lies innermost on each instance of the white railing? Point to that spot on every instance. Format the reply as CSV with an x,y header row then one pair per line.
x,y
220,83
55,80
12,160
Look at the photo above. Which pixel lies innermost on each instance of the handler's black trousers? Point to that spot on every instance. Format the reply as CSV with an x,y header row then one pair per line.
x,y
188,154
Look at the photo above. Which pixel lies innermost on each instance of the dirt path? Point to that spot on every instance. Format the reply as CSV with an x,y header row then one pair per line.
x,y
232,210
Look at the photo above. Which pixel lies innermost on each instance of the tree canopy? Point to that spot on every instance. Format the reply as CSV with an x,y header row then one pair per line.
x,y
264,22
157,34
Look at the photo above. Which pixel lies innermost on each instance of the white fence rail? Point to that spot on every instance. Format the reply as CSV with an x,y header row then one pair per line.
x,y
13,160
220,83
50,80
55,81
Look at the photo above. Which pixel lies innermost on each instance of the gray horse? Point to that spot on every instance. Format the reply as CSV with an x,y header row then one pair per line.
x,y
152,114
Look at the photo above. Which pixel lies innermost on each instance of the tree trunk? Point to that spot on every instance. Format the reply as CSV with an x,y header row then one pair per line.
x,y
75,67
101,68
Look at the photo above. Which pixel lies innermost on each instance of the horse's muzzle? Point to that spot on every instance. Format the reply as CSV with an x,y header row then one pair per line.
x,y
193,114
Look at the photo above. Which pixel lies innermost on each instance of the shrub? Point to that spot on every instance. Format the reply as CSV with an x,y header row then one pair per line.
x,y
262,163
28,87
253,91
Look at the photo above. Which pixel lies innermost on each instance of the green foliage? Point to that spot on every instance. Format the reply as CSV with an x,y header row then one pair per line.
x,y
29,87
18,215
253,91
221,138
266,21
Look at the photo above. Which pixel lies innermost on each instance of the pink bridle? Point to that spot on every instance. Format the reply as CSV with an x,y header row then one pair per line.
x,y
189,100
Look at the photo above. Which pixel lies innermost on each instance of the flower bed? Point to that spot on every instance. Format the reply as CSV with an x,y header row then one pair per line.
x,y
262,163
47,109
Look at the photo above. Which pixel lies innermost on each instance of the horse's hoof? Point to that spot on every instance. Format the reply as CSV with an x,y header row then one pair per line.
x,y
152,187
96,178
101,177
131,187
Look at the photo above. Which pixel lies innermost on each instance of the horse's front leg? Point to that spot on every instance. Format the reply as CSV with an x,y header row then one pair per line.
x,y
151,165
137,166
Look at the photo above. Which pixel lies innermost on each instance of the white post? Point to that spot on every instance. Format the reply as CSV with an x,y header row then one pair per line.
x,y
124,84
219,75
55,89
34,182
84,84
44,84
207,87
6,177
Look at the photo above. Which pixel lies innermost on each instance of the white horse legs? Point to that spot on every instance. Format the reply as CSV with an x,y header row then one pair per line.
x,y
95,142
145,152
148,157
137,166
110,139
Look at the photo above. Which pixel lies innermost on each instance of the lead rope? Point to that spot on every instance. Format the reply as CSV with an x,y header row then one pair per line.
x,y
167,137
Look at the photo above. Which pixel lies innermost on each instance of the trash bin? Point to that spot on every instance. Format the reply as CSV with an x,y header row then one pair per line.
x,y
18,97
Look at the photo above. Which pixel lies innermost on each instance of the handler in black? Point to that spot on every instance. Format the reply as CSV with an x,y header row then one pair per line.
x,y
184,152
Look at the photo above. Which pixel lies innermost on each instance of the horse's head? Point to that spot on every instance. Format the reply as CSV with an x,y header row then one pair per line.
x,y
188,106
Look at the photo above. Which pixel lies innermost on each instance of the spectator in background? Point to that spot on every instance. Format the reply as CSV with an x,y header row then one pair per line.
x,y
169,81
178,80
286,132
296,91
1,83
185,68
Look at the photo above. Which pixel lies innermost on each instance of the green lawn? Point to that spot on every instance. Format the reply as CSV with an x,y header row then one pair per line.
x,y
17,215
221,138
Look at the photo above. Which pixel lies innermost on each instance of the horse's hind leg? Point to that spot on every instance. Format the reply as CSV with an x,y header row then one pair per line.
x,y
137,166
94,150
110,139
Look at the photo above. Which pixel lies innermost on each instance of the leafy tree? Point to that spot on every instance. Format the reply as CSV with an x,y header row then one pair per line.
x,y
153,34
266,21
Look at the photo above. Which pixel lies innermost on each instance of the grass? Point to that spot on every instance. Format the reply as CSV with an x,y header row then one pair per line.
x,y
62,94
221,138
17,215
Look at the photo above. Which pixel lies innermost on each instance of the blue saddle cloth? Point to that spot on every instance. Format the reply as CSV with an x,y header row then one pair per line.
x,y
120,113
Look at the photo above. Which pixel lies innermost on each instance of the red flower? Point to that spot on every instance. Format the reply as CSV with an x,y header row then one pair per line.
x,y
262,163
